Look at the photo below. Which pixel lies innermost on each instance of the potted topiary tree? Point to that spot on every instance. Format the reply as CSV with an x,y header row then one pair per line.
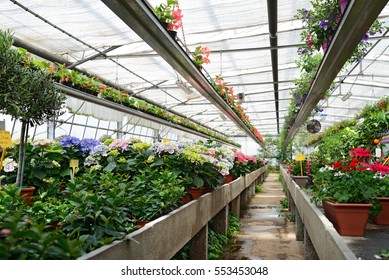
x,y
27,93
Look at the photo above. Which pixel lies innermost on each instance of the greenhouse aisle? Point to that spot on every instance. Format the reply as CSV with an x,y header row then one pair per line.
x,y
266,233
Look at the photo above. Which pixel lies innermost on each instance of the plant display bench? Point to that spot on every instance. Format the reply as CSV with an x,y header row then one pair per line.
x,y
321,240
162,238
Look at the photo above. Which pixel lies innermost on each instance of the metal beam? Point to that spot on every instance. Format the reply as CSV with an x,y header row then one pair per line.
x,y
368,84
93,56
260,83
141,19
355,22
118,107
273,19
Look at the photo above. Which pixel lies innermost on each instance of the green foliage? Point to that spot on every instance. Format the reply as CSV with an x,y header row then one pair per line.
x,y
216,243
284,203
369,129
233,226
384,254
258,188
99,209
354,186
21,239
24,231
153,193
23,90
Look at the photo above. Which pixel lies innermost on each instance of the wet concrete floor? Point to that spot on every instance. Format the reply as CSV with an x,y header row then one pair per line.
x,y
266,232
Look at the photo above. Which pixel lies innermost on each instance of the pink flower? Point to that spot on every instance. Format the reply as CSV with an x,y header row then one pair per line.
x,y
6,231
205,60
206,51
382,169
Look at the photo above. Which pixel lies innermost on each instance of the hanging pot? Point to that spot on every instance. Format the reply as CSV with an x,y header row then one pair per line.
x,y
343,5
172,33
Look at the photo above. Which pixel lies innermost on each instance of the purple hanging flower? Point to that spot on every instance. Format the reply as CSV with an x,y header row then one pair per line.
x,y
323,25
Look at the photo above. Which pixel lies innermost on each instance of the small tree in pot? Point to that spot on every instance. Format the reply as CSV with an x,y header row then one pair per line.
x,y
27,93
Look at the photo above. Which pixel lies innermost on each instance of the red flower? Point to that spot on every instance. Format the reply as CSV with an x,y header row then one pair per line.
x,y
337,165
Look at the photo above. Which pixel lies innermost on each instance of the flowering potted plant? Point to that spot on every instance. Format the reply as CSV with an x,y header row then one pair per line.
x,y
320,24
23,90
200,56
169,15
347,184
299,172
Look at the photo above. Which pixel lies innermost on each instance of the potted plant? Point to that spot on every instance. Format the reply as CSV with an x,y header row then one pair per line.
x,y
347,189
299,172
169,15
23,90
200,56
320,24
381,201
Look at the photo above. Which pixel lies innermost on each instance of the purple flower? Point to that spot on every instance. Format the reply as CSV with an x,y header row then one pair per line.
x,y
365,37
69,141
305,95
87,144
323,25
304,51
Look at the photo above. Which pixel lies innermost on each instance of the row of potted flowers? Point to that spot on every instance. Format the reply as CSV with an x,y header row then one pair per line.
x,y
356,181
116,184
91,85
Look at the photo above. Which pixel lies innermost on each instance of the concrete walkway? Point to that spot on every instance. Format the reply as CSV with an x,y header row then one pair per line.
x,y
266,233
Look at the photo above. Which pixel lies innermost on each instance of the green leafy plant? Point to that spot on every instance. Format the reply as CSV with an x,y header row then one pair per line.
x,y
200,56
23,90
284,203
384,254
169,13
99,209
349,181
153,193
258,188
23,239
216,243
233,226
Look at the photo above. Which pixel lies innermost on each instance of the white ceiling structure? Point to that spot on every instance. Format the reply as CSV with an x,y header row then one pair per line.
x,y
93,37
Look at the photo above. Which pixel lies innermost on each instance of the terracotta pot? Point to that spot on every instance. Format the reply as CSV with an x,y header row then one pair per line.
x,y
28,192
343,5
141,223
229,178
192,194
383,217
300,180
349,219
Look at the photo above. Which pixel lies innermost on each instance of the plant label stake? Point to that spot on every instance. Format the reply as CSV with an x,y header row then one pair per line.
x,y
5,141
301,158
73,165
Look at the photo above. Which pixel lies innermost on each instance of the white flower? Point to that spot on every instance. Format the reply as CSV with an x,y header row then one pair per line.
x,y
9,165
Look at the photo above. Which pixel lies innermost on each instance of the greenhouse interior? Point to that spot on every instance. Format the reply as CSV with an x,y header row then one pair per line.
x,y
265,124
